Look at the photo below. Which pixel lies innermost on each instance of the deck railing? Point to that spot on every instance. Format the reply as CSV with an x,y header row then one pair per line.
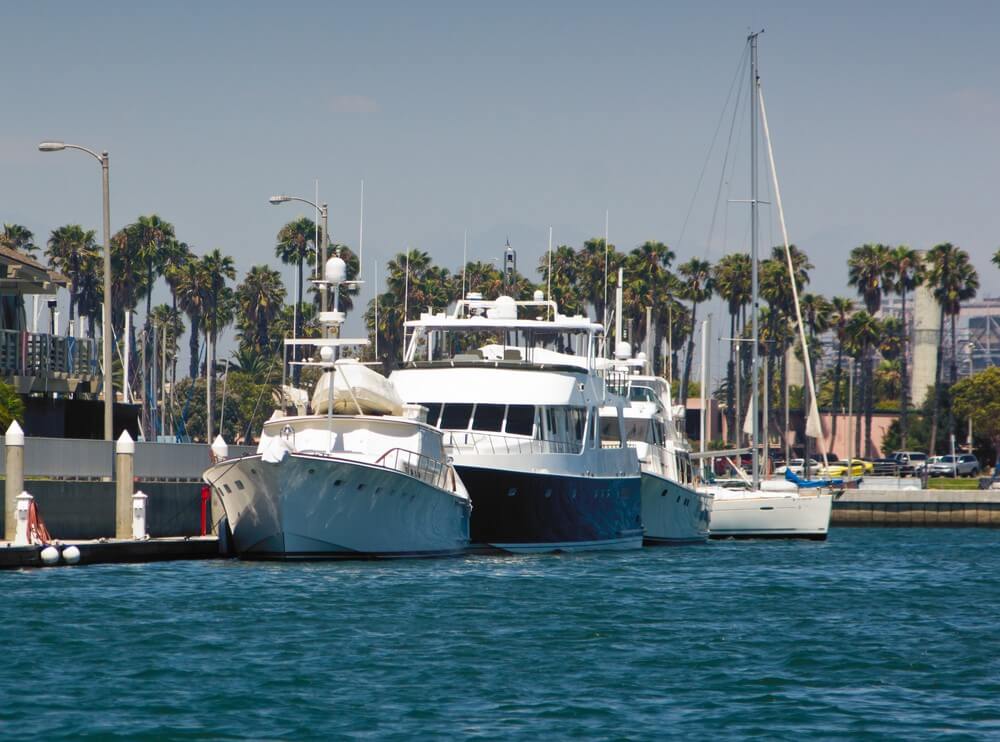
x,y
37,354
499,443
419,466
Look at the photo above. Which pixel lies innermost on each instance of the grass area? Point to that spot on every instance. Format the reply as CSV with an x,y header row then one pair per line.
x,y
959,483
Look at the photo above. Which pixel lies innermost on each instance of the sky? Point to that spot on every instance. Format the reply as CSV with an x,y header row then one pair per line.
x,y
500,120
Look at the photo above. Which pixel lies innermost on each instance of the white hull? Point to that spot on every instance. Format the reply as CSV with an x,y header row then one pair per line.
x,y
739,515
311,506
673,513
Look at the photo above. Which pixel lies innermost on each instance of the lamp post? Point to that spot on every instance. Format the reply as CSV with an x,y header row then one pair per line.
x,y
53,146
323,236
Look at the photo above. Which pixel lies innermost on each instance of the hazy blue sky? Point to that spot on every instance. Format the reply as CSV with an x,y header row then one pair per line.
x,y
503,119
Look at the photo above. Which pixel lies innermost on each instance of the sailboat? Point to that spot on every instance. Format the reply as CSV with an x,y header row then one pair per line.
x,y
770,509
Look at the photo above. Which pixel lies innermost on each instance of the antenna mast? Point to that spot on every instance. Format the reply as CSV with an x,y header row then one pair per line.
x,y
755,299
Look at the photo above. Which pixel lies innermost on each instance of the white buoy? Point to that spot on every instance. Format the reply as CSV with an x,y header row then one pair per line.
x,y
139,516
71,554
49,555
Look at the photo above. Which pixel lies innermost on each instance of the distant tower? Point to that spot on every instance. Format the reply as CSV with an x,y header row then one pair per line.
x,y
509,267
926,323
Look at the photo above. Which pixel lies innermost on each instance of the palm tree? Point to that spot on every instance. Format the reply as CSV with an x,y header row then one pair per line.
x,y
870,269
952,279
697,286
842,308
18,238
192,286
566,292
154,238
71,250
863,332
297,246
909,272
733,284
168,318
648,283
259,299
597,266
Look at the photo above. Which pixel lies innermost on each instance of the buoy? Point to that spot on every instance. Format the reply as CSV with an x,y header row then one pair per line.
x,y
49,555
71,555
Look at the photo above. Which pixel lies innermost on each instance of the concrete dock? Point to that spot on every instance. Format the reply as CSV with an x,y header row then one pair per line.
x,y
917,508
115,551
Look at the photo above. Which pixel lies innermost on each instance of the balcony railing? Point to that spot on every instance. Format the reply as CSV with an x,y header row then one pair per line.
x,y
35,354
498,443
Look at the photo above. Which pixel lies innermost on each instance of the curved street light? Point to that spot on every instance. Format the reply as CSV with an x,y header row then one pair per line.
x,y
56,146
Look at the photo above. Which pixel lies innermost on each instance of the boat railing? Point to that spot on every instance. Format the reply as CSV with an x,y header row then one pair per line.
x,y
419,466
499,443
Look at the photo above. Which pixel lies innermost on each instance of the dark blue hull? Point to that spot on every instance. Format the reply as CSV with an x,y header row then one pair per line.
x,y
523,512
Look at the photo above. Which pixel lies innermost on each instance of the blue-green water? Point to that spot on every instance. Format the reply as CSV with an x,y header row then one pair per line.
x,y
880,633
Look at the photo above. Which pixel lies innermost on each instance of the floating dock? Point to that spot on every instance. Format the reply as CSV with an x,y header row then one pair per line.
x,y
115,551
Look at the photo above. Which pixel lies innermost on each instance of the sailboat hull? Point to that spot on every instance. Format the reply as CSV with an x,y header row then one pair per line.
x,y
794,516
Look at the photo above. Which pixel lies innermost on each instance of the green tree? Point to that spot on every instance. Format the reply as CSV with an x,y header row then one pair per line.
x,y
863,332
952,280
909,272
72,251
564,287
733,280
11,406
978,398
259,300
296,245
697,286
19,238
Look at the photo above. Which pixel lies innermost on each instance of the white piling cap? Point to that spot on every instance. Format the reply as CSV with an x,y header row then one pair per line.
x,y
125,444
139,496
24,497
14,435
220,449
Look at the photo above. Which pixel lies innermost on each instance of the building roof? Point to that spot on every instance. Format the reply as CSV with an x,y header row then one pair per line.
x,y
22,274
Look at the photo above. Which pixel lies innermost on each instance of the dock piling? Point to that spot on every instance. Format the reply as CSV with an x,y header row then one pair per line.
x,y
139,516
124,483
14,478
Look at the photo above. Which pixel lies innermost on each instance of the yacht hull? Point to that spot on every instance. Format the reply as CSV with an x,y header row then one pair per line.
x,y
316,507
523,512
673,513
804,517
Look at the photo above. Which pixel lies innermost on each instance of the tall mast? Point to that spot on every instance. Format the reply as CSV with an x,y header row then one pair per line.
x,y
754,300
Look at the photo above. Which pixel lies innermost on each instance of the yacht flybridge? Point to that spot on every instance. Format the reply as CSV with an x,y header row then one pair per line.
x,y
362,476
515,388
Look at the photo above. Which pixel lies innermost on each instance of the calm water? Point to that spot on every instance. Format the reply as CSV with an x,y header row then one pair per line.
x,y
878,633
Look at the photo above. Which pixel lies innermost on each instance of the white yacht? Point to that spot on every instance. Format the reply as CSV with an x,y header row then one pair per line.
x,y
363,476
515,388
673,511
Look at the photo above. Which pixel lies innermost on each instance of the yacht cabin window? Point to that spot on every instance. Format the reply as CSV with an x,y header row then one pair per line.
x,y
488,417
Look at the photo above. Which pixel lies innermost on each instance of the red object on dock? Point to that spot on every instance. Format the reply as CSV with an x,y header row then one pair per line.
x,y
206,495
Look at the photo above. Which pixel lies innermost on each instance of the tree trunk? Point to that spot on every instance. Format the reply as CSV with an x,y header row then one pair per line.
x,y
689,357
932,443
904,387
193,345
857,374
297,370
838,373
869,398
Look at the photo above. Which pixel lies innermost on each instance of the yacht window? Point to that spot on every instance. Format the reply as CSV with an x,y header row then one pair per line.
x,y
433,412
520,419
488,417
609,430
641,394
637,430
577,421
456,416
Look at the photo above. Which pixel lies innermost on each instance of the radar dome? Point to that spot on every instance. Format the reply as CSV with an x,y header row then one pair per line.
x,y
336,270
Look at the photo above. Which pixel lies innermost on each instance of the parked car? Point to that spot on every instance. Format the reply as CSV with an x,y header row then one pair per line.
x,y
959,465
857,468
909,462
797,466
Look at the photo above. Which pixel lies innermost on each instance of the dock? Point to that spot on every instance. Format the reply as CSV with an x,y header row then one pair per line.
x,y
115,551
917,508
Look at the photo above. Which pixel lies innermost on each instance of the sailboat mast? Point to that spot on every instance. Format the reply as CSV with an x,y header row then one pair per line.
x,y
754,299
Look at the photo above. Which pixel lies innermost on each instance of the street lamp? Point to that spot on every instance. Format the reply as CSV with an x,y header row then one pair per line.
x,y
106,314
323,235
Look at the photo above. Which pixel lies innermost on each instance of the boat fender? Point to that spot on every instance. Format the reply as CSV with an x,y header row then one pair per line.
x,y
49,555
71,554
